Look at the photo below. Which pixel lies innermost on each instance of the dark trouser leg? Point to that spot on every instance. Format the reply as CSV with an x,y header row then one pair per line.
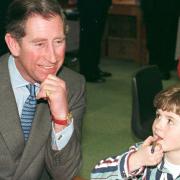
x,y
161,40
91,32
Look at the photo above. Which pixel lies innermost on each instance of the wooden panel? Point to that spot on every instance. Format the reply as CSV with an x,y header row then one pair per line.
x,y
122,26
122,48
126,31
125,7
130,2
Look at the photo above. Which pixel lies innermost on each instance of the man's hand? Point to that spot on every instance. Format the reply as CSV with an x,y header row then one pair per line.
x,y
144,156
54,90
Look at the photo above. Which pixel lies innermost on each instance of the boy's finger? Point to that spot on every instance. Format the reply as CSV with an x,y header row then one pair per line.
x,y
148,141
158,147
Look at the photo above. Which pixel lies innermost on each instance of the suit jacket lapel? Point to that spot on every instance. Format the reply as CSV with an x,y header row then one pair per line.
x,y
10,127
38,137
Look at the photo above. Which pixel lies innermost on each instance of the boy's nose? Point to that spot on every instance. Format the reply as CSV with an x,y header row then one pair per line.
x,y
159,124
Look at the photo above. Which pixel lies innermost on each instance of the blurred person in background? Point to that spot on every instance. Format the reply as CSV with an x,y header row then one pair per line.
x,y
161,19
93,15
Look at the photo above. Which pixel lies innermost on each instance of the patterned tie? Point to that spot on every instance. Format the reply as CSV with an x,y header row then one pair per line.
x,y
28,111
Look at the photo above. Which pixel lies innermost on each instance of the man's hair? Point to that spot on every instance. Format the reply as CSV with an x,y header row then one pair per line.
x,y
20,10
168,99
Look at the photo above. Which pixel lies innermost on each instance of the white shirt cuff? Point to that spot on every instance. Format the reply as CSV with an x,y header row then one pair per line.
x,y
60,139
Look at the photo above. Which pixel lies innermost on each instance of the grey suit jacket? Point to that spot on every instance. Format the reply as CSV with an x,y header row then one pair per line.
x,y
28,162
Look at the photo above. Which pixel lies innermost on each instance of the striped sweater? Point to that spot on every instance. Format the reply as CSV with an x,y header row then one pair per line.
x,y
116,168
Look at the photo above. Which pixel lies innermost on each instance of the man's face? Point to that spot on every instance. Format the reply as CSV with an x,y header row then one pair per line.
x,y
166,128
41,51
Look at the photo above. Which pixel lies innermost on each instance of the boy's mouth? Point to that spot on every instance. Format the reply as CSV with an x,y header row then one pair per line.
x,y
158,138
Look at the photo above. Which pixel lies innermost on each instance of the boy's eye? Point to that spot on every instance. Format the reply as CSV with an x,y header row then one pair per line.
x,y
170,121
157,115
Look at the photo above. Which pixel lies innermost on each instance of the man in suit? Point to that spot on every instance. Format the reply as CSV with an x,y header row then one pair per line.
x,y
93,16
35,36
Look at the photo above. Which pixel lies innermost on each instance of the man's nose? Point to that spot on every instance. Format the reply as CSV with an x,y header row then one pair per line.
x,y
51,54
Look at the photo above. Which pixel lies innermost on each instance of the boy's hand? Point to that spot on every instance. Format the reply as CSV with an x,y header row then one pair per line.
x,y
54,90
144,155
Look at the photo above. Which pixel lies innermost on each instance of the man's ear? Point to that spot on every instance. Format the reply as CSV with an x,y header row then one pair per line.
x,y
12,44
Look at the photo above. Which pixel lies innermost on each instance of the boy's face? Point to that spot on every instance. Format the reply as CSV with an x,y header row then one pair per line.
x,y
166,128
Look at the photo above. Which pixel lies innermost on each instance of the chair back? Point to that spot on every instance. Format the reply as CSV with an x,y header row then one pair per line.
x,y
146,83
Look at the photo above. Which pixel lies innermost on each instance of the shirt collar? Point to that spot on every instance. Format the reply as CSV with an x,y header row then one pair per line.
x,y
161,166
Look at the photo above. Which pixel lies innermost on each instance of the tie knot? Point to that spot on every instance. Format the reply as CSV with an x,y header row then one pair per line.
x,y
31,88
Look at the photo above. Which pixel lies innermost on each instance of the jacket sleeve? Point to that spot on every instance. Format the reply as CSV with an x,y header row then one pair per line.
x,y
65,164
115,167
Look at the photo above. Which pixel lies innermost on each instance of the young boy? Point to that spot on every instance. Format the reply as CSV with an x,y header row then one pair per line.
x,y
158,157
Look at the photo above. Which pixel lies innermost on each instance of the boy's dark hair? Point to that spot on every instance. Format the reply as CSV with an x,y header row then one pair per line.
x,y
169,99
20,10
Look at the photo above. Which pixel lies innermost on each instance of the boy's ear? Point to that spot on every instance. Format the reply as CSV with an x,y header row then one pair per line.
x,y
12,44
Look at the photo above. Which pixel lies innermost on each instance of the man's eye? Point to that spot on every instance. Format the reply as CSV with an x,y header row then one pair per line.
x,y
39,44
59,41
